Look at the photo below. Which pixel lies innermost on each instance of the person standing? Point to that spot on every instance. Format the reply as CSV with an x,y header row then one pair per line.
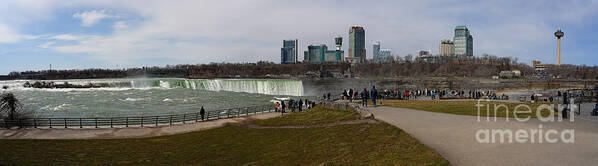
x,y
364,97
282,105
374,95
202,113
290,105
566,103
350,95
300,105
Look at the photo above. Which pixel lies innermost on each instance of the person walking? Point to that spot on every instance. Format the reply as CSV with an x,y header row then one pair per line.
x,y
374,95
283,106
350,95
300,105
202,113
364,97
276,106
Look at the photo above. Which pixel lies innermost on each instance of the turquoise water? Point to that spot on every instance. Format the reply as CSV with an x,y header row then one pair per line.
x,y
148,97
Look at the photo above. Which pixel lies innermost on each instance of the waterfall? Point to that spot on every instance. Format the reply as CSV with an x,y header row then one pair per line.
x,y
271,87
262,86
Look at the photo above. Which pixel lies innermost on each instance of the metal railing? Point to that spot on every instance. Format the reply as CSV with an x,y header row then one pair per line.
x,y
119,122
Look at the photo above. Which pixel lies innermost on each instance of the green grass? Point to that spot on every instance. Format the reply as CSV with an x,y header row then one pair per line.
x,y
370,144
467,107
314,116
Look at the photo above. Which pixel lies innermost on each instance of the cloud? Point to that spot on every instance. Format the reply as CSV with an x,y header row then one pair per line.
x,y
66,37
90,18
46,45
201,31
119,25
7,35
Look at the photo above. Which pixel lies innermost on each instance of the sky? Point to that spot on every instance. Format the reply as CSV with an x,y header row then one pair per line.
x,y
35,34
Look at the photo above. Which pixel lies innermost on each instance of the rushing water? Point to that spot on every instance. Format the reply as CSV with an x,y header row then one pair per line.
x,y
146,97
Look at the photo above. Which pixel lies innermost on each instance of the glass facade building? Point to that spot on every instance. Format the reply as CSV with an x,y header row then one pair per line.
x,y
356,44
385,55
321,55
289,51
376,51
462,42
315,54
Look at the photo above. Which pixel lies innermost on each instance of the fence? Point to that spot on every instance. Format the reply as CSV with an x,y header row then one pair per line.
x,y
137,121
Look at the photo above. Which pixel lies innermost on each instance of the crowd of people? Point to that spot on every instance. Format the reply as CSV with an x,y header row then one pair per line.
x,y
441,94
416,94
293,105
364,95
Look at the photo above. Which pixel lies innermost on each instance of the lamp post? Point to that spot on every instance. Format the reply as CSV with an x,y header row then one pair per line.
x,y
558,35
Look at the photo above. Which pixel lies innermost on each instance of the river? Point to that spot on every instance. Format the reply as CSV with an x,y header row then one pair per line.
x,y
150,96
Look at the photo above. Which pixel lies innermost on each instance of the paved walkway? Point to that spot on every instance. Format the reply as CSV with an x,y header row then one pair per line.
x,y
131,132
454,137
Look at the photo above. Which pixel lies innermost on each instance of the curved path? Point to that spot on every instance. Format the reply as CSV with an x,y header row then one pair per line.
x,y
454,137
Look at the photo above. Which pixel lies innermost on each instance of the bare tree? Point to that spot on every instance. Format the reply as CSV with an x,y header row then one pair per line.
x,y
398,58
11,108
409,58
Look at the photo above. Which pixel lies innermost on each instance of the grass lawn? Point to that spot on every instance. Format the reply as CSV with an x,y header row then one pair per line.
x,y
317,115
467,107
371,144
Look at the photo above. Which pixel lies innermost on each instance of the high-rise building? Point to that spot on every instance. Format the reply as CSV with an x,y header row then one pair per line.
x,y
306,56
356,44
321,55
315,54
446,48
463,41
376,51
385,55
289,52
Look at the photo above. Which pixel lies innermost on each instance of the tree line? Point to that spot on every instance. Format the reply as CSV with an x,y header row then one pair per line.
x,y
484,66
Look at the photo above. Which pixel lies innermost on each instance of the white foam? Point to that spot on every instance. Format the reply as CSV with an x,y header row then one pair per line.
x,y
136,99
56,108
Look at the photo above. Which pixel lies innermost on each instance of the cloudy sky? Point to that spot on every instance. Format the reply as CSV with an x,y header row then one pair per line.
x,y
120,34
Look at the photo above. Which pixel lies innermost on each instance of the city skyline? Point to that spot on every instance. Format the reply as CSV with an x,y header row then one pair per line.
x,y
105,34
